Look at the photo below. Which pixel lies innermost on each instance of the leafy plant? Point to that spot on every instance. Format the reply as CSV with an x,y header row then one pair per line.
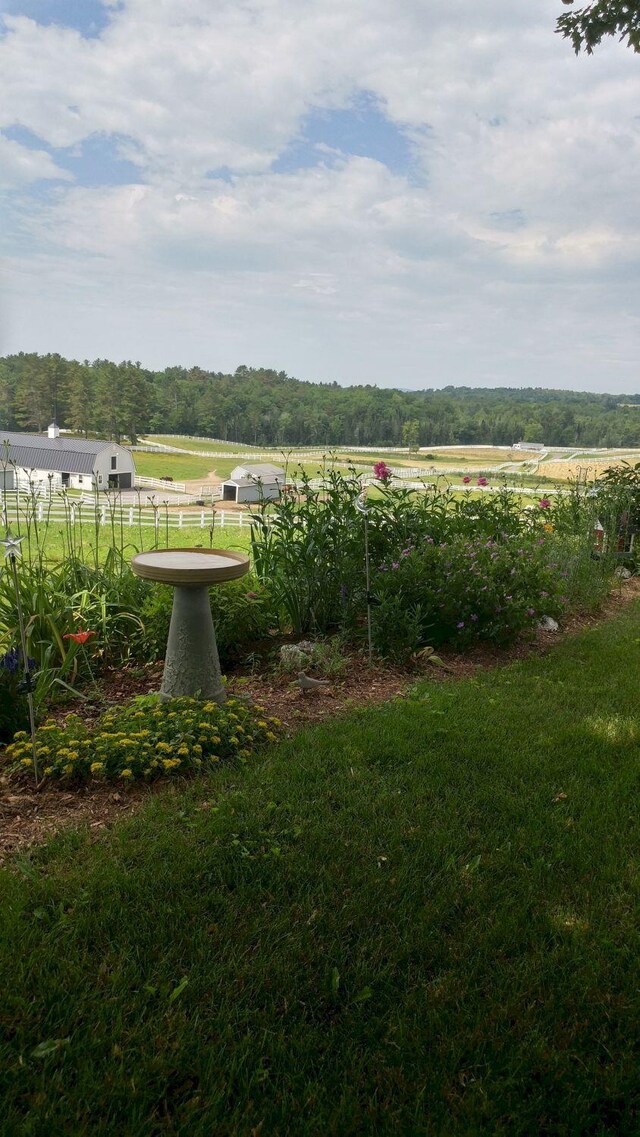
x,y
145,739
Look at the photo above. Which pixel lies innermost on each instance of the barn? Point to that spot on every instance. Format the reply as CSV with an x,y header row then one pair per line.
x,y
254,481
64,462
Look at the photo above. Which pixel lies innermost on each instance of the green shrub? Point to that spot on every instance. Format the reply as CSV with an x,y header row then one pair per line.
x,y
145,739
463,591
241,609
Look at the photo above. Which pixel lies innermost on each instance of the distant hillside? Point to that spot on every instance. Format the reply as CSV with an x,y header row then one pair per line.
x,y
267,408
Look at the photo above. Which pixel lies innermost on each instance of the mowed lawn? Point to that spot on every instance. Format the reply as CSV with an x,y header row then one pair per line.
x,y
420,919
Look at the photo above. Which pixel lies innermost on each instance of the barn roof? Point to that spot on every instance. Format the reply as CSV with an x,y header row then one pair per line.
x,y
38,452
265,471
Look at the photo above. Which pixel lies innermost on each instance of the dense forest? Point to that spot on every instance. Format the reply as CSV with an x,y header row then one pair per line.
x,y
256,405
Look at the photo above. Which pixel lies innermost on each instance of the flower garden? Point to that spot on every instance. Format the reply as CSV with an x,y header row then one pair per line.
x,y
412,571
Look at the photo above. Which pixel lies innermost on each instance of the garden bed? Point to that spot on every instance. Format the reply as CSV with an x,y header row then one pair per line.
x,y
28,816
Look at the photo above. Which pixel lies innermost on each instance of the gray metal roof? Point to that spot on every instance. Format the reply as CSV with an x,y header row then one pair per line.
x,y
38,452
263,470
241,483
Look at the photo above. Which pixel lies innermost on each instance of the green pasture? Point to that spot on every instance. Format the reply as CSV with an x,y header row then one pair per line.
x,y
87,538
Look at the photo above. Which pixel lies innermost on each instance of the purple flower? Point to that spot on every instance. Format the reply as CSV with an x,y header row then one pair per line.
x,y
531,611
474,617
461,624
395,565
544,503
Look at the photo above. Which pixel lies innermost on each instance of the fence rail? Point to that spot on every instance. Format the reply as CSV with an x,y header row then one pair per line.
x,y
131,517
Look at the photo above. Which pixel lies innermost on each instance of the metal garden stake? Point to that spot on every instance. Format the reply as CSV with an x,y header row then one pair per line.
x,y
361,506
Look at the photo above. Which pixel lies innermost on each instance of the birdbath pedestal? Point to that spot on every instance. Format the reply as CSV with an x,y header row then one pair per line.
x,y
191,665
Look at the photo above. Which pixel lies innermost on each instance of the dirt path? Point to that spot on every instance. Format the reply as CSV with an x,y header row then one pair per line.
x,y
28,816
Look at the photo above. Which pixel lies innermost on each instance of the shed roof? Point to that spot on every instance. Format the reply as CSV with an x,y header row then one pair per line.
x,y
265,471
38,452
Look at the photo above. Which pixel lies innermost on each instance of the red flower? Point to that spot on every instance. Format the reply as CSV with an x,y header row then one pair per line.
x,y
382,472
79,637
466,480
482,482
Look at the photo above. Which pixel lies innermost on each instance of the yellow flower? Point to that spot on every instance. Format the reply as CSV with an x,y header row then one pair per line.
x,y
48,770
96,767
23,733
67,769
164,746
215,739
26,761
271,736
127,773
183,750
240,729
262,723
548,528
209,707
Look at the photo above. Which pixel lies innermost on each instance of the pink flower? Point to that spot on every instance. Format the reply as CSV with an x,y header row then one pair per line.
x,y
461,624
544,503
483,482
466,480
382,472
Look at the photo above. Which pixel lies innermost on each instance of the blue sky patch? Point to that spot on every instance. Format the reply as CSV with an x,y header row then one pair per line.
x,y
508,219
89,17
362,130
93,162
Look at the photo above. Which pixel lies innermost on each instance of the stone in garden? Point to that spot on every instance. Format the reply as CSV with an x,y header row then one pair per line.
x,y
292,658
548,624
623,573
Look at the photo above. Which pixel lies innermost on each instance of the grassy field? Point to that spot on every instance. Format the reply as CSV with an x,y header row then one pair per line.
x,y
135,539
422,919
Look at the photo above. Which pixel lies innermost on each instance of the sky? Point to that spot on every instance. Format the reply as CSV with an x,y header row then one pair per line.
x,y
412,194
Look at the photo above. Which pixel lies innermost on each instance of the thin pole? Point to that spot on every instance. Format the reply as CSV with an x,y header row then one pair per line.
x,y
368,579
25,664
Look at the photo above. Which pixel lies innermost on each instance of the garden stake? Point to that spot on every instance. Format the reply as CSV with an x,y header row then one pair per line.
x,y
361,506
12,550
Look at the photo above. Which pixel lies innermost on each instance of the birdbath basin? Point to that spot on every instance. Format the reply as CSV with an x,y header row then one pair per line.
x,y
191,665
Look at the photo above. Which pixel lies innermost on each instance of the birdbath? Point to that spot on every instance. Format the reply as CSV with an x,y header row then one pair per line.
x,y
191,665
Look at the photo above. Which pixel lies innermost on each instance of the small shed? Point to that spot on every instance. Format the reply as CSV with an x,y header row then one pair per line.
x,y
253,481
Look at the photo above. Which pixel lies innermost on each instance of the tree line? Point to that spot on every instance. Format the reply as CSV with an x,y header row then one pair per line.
x,y
270,408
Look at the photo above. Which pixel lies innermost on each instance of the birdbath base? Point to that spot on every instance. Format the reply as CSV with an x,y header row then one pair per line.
x,y
192,665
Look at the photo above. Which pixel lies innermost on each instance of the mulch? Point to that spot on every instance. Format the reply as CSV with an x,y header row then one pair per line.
x,y
29,816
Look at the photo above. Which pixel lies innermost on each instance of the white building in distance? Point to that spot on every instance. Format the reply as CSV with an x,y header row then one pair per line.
x,y
64,462
254,481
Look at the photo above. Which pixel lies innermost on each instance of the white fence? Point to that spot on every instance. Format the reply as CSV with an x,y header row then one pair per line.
x,y
131,517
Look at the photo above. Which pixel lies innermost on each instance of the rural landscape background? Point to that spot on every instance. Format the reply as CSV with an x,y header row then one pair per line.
x,y
379,872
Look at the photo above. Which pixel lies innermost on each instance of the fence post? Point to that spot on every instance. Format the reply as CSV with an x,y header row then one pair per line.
x,y
40,512
180,520
240,519
103,514
131,516
202,518
222,519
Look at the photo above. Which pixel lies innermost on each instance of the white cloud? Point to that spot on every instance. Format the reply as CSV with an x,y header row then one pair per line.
x,y
522,229
19,165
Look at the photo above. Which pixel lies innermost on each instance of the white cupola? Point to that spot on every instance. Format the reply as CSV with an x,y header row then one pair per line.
x,y
53,430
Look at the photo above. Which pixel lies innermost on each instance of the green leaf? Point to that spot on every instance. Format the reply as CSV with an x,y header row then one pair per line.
x,y
43,1049
177,991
